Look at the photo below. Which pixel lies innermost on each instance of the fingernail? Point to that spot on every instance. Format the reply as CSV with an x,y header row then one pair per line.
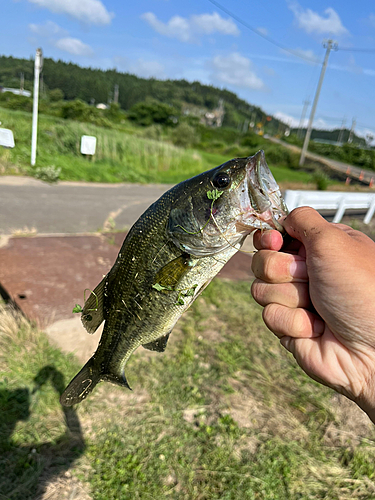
x,y
297,269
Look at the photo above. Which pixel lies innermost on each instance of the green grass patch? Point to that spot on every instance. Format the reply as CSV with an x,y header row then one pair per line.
x,y
224,413
124,153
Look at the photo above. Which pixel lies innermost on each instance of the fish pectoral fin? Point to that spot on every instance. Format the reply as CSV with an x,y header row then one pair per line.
x,y
171,274
93,310
158,345
108,377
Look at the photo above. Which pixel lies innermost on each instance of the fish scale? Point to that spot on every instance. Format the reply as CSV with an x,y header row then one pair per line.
x,y
169,256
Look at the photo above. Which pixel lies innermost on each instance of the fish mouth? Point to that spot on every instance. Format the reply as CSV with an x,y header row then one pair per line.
x,y
263,203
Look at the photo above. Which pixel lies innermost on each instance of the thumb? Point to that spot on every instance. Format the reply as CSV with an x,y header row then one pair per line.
x,y
305,225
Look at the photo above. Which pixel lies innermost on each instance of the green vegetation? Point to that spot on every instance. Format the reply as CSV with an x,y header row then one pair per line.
x,y
353,154
71,82
129,153
120,157
223,413
171,111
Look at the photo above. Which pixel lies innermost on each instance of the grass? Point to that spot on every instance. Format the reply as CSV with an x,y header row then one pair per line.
x,y
120,157
224,413
123,154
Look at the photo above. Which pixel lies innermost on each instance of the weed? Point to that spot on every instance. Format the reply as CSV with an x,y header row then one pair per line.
x,y
228,415
49,174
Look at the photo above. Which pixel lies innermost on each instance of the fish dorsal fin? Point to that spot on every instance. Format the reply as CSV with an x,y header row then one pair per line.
x,y
171,274
93,310
159,344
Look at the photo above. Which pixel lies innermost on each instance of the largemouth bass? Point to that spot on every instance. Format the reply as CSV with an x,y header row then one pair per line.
x,y
169,256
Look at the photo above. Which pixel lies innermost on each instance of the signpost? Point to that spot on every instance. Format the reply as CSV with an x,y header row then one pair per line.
x,y
37,69
6,138
88,145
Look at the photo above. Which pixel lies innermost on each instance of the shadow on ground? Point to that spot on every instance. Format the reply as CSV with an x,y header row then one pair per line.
x,y
26,471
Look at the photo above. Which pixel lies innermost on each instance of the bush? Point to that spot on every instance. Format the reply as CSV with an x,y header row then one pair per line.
x,y
321,180
56,95
251,140
49,174
149,112
184,135
16,102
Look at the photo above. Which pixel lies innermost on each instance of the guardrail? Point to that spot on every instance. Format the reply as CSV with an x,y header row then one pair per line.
x,y
331,200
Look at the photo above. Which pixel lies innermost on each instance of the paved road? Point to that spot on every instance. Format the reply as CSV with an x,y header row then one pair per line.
x,y
71,207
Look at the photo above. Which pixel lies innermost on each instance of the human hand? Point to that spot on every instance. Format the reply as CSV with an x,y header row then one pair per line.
x,y
319,300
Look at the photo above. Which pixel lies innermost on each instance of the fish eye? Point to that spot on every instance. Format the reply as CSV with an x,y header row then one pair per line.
x,y
221,180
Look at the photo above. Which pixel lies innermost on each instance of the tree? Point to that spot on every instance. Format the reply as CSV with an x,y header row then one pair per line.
x,y
56,95
147,113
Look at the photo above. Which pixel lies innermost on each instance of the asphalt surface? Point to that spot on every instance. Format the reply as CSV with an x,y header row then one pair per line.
x,y
55,242
28,205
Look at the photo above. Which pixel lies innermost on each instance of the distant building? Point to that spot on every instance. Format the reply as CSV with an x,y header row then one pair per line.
x,y
215,118
26,93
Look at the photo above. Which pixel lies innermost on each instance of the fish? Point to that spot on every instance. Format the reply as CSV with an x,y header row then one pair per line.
x,y
169,256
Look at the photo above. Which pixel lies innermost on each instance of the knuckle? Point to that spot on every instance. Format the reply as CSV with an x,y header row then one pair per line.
x,y
298,323
300,213
273,317
258,291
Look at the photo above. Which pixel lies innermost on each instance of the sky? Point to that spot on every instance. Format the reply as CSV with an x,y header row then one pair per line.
x,y
269,53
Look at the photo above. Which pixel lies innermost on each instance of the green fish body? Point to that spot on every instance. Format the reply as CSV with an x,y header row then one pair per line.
x,y
169,256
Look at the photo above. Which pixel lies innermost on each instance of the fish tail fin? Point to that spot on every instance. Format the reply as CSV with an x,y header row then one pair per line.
x,y
81,385
85,381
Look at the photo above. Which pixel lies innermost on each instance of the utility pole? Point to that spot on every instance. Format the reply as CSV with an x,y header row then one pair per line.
x,y
37,69
116,92
341,134
350,138
329,45
22,83
306,102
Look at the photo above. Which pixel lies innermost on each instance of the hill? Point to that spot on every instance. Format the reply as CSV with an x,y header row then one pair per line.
x,y
97,86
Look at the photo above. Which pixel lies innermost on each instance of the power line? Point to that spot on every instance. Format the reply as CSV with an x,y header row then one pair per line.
x,y
266,37
348,49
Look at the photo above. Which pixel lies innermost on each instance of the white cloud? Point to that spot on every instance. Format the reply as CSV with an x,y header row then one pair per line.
x,y
287,119
140,67
236,70
86,11
207,24
188,30
293,122
322,124
49,28
147,69
366,133
74,46
311,22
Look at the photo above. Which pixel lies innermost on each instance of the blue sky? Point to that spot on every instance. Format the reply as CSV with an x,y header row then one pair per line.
x,y
197,40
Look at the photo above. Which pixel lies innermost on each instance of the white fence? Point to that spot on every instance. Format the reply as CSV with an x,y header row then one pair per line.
x,y
330,200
